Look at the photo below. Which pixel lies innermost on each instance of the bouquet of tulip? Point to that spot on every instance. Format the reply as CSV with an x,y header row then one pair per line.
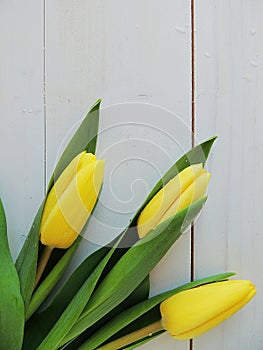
x,y
105,303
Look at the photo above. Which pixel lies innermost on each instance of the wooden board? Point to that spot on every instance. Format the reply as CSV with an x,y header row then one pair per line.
x,y
229,76
136,57
59,57
22,119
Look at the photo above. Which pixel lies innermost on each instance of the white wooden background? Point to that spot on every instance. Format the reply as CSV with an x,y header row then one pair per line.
x,y
58,57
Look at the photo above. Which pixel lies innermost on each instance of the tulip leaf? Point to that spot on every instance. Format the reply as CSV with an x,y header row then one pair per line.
x,y
41,323
138,295
196,155
26,262
133,268
51,280
74,308
85,138
11,301
143,341
141,315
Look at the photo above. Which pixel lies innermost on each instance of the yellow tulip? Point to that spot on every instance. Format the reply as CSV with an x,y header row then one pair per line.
x,y
185,188
190,313
71,200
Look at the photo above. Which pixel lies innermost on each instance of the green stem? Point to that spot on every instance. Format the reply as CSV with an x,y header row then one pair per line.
x,y
130,338
43,263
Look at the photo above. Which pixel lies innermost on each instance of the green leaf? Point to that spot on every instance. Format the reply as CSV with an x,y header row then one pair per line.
x,y
26,263
143,341
136,313
133,268
11,301
196,155
51,280
74,309
85,138
40,324
138,295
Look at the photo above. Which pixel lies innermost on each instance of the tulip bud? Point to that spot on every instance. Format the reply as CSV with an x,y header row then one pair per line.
x,y
191,313
71,200
185,188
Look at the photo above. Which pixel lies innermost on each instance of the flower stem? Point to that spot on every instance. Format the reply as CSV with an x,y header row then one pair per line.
x,y
130,338
43,263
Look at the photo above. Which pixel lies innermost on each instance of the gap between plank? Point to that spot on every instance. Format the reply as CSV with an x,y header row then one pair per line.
x,y
193,115
191,343
44,96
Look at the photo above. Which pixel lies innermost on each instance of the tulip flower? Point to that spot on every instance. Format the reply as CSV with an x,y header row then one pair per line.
x,y
185,188
71,201
190,313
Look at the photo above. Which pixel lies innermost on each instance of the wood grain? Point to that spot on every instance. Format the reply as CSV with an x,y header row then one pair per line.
x,y
229,76
22,124
59,57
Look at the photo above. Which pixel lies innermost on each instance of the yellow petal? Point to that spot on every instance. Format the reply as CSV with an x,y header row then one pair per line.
x,y
69,210
63,181
62,237
154,211
195,191
89,184
193,312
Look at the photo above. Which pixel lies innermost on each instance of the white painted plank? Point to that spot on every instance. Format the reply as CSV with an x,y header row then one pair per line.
x,y
124,51
229,76
21,151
